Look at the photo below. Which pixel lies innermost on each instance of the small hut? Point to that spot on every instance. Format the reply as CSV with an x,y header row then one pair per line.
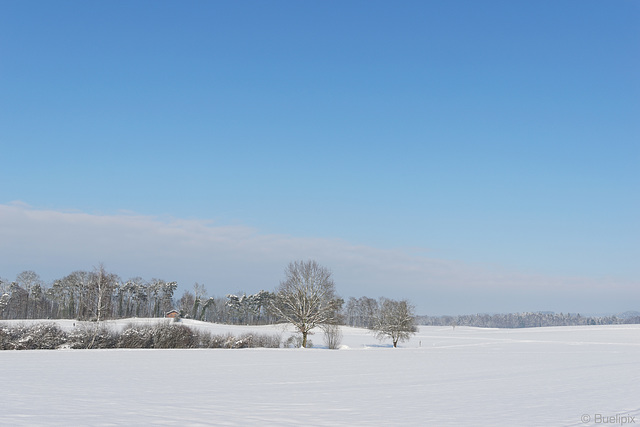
x,y
172,314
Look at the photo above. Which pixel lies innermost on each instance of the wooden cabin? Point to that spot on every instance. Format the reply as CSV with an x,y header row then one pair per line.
x,y
172,314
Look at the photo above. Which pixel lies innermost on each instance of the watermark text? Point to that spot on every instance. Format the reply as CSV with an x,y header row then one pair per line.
x,y
617,419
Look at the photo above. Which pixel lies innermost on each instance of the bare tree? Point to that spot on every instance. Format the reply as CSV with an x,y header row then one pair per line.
x,y
307,298
332,336
5,299
200,293
103,286
32,284
395,320
78,285
186,303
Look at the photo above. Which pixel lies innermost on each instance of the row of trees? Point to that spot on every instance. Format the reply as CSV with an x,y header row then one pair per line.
x,y
306,298
525,320
84,295
239,309
100,295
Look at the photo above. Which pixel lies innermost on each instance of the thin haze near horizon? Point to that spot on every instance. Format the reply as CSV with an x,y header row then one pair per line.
x,y
469,156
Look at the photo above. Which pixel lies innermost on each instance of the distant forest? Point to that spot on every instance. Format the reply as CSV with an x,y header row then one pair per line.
x,y
101,295
528,320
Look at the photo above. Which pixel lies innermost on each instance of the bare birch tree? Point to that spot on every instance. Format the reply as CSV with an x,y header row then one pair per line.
x,y
307,297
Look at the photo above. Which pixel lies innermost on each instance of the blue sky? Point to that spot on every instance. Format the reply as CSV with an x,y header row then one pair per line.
x,y
498,138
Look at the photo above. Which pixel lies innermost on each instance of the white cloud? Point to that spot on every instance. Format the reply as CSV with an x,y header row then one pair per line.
x,y
231,258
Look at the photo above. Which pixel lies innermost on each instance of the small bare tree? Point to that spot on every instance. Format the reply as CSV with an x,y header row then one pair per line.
x,y
395,320
332,336
307,297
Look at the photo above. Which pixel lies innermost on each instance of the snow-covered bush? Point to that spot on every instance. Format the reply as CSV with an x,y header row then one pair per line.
x,y
93,336
208,340
5,338
271,341
40,336
136,336
295,341
247,340
163,335
167,335
217,341
244,341
9,337
203,339
45,336
260,341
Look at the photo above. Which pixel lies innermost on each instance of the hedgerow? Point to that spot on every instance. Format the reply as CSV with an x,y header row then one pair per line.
x,y
166,335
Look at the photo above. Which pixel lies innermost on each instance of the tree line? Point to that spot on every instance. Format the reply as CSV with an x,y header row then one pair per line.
x,y
100,295
525,320
84,295
306,298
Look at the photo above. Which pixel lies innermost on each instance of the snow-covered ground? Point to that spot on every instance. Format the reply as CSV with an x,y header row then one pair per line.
x,y
563,376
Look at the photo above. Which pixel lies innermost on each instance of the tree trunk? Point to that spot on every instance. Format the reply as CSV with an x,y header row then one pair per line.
x,y
304,340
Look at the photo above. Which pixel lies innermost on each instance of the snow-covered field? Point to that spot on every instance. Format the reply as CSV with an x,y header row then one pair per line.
x,y
564,376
